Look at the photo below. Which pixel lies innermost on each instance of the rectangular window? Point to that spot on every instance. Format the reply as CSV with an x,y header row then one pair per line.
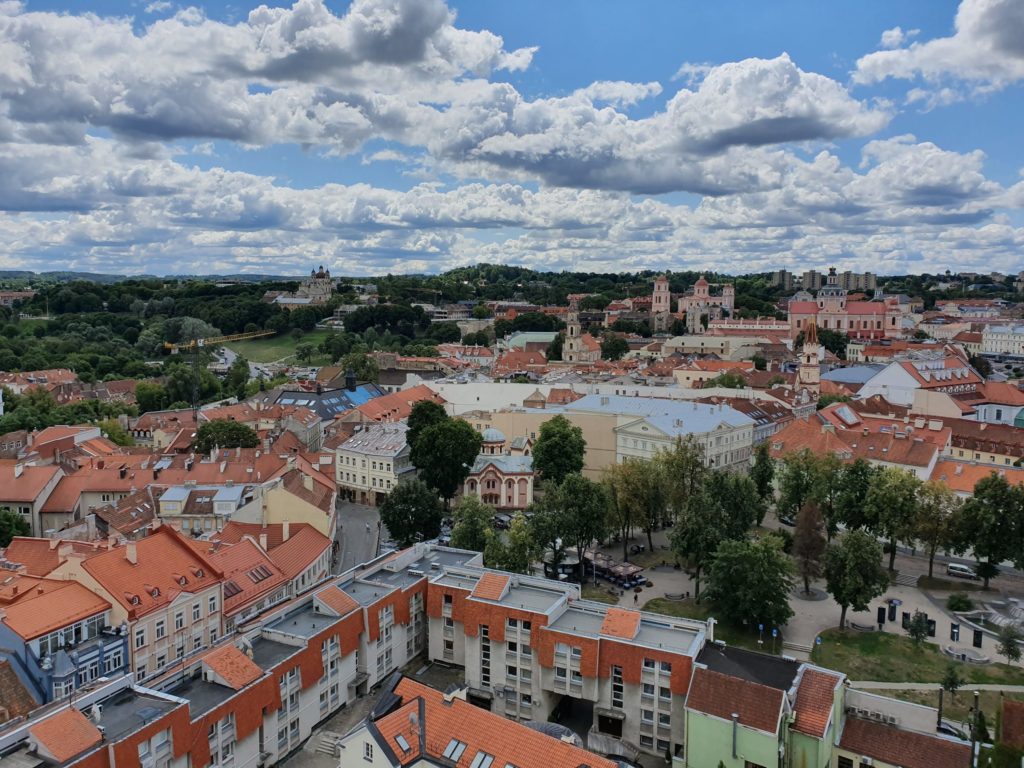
x,y
513,624
140,638
212,604
666,667
454,750
648,663
196,612
664,719
179,620
664,693
561,673
161,629
647,715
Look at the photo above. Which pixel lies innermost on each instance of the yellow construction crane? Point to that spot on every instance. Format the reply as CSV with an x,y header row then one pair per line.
x,y
195,345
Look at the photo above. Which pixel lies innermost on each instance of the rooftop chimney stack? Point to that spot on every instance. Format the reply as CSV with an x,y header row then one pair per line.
x,y
131,553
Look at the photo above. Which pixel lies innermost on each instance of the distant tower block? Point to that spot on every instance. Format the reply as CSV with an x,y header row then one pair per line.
x,y
661,304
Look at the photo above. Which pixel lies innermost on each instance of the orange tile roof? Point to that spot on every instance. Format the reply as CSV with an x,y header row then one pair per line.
x,y
249,573
758,706
320,495
398,405
814,700
907,749
166,567
300,551
38,614
65,734
39,556
491,586
621,622
27,487
1013,723
233,532
338,601
438,721
962,476
233,666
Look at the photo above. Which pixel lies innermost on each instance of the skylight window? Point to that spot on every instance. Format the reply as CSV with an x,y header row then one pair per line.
x,y
402,742
454,750
482,760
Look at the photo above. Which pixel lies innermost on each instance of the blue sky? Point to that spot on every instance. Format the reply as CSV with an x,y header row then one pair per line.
x,y
410,135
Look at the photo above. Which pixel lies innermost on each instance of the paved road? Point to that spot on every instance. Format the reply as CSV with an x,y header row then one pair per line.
x,y
229,355
357,533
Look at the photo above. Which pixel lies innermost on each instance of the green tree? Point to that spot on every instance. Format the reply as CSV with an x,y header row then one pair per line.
x,y
763,472
727,380
481,312
809,544
472,527
760,362
519,551
1008,643
554,349
917,629
854,482
411,511
150,396
854,573
444,454
892,503
750,581
737,497
937,521
362,365
115,433
237,377
643,489
621,509
951,680
613,347
992,524
547,524
559,450
826,485
12,524
425,413
224,433
305,352
698,532
584,506
796,482
683,470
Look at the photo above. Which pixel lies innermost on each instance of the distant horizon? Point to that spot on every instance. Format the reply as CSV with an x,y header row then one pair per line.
x,y
415,136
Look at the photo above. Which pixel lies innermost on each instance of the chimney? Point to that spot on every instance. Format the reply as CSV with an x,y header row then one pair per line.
x,y
307,482
286,530
19,469
350,380
263,541
131,554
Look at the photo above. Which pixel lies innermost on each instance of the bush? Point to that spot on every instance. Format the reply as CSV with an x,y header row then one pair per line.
x,y
959,601
787,539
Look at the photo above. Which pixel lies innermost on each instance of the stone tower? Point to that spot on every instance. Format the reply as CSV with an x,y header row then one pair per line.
x,y
661,304
809,373
571,346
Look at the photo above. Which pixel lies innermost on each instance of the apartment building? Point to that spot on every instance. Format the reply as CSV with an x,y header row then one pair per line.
x,y
372,462
167,594
1003,340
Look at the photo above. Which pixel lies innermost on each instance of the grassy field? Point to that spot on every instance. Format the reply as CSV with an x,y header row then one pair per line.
x,y
955,708
885,657
274,348
599,593
742,637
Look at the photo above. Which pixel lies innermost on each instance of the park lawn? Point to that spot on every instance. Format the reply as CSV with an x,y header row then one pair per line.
x,y
954,708
728,633
885,657
599,593
271,349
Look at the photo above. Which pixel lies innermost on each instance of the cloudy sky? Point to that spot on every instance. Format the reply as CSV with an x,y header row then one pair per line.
x,y
411,135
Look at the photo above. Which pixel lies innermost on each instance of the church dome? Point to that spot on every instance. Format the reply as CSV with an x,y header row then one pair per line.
x,y
701,281
492,435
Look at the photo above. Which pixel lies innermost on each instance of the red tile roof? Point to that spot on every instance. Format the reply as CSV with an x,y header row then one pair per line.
x,y
1013,723
338,601
439,722
235,668
17,701
398,405
962,476
907,749
621,622
491,586
300,551
166,566
65,734
758,706
814,701
39,613
233,531
28,486
249,573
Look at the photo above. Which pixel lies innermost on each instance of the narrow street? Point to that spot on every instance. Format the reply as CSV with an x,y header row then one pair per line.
x,y
357,534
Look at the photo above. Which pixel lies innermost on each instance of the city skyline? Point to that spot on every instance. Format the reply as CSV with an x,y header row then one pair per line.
x,y
413,136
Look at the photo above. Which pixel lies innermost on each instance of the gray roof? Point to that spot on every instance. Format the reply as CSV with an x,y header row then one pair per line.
x,y
855,374
505,463
378,440
673,417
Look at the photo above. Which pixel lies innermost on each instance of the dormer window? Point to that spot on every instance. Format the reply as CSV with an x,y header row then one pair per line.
x,y
134,599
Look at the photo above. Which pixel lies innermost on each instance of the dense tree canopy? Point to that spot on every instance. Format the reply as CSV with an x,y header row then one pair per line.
x,y
224,433
559,450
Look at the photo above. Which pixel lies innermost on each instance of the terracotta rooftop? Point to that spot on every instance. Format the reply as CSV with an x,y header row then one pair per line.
x,y
15,699
235,668
234,530
28,485
815,697
397,405
300,551
1013,723
962,476
440,721
906,749
165,567
249,573
620,622
42,612
758,706
337,600
65,734
491,586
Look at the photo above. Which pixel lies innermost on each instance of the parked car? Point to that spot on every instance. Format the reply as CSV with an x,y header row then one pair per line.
x,y
501,521
961,571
